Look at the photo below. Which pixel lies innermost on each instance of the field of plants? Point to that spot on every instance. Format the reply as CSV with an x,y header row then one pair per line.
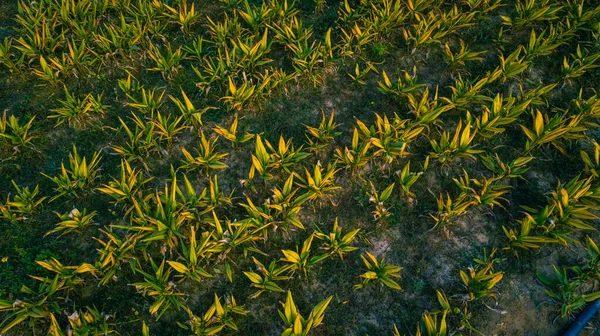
x,y
298,167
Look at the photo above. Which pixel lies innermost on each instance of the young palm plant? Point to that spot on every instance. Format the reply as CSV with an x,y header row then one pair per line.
x,y
190,114
192,256
208,158
157,285
73,221
357,156
480,280
323,134
513,169
16,135
285,155
296,324
88,322
377,270
408,178
449,209
461,145
483,192
231,134
79,113
23,204
128,188
317,185
160,217
266,280
149,103
381,212
565,290
403,86
261,162
78,178
302,261
168,64
552,131
335,243
218,317
184,16
239,96
140,142
529,11
432,324
167,129
286,206
36,309
459,59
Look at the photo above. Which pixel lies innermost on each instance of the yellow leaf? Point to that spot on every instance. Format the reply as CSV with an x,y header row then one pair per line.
x,y
179,267
538,123
297,326
232,87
